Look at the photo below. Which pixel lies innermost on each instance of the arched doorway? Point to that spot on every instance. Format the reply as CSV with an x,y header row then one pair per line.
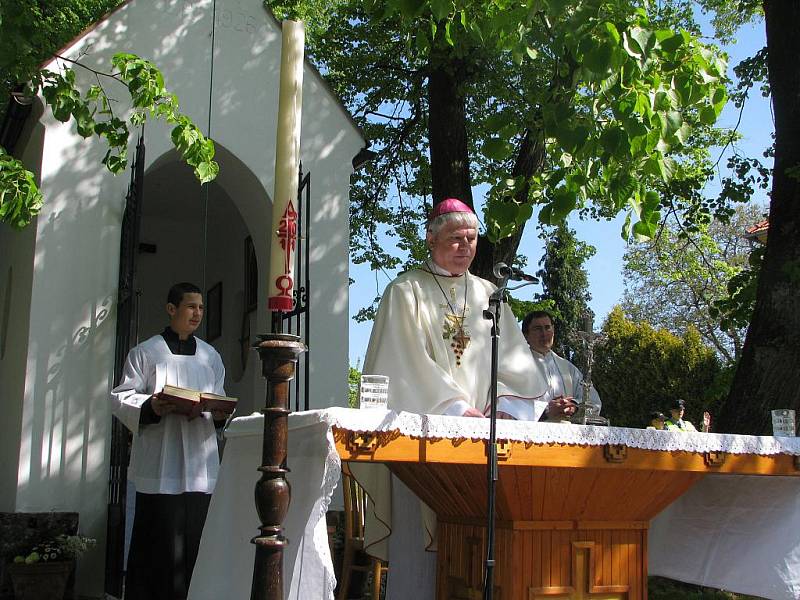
x,y
215,237
202,234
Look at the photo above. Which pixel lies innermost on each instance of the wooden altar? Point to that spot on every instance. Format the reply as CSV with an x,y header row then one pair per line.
x,y
572,521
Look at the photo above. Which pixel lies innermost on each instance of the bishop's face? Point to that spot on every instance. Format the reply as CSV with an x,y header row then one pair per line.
x,y
453,248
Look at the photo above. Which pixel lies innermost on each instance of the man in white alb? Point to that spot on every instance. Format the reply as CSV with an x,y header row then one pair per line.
x,y
432,341
563,379
174,460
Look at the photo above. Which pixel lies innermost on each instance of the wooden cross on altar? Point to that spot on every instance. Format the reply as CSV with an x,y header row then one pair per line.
x,y
582,587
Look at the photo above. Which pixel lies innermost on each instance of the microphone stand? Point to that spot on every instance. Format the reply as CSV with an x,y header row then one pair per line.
x,y
493,314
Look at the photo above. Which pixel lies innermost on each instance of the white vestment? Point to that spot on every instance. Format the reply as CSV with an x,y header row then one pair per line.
x,y
431,339
176,454
563,378
437,351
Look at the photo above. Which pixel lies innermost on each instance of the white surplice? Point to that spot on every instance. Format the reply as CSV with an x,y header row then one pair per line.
x,y
176,454
563,378
416,338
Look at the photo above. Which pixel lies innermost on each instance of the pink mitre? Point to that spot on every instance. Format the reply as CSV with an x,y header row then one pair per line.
x,y
449,205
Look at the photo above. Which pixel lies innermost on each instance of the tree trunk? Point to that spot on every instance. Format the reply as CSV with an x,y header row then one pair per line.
x,y
447,129
447,135
768,375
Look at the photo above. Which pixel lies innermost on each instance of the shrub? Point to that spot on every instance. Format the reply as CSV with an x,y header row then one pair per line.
x,y
640,369
60,548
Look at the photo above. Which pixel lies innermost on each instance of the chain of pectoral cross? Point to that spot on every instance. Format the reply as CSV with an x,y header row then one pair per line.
x,y
453,327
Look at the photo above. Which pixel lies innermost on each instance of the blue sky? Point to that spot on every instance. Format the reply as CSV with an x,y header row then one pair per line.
x,y
605,268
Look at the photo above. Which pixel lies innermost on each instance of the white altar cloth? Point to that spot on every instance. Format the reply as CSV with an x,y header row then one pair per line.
x,y
735,532
728,531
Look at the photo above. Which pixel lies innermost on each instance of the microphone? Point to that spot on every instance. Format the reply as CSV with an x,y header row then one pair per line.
x,y
501,270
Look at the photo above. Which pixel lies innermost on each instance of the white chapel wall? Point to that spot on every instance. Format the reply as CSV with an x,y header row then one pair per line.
x,y
16,269
65,431
65,420
16,275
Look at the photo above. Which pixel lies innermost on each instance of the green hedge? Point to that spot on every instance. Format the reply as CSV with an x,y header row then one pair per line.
x,y
640,369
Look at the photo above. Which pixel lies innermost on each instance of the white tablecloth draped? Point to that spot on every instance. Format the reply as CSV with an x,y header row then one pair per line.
x,y
224,568
735,532
728,531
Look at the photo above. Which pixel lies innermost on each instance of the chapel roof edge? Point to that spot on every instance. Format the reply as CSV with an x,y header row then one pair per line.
x,y
269,14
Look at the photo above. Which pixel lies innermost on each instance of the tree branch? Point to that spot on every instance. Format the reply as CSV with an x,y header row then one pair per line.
x,y
114,76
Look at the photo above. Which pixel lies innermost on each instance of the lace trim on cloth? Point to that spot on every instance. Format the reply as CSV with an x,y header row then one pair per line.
x,y
333,470
441,427
254,425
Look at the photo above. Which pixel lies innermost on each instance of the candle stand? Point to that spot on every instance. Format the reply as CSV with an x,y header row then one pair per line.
x,y
278,353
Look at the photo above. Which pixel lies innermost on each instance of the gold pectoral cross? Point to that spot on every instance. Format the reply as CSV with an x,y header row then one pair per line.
x,y
461,338
453,328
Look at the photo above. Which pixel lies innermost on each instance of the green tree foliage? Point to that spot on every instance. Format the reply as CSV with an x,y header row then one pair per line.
x,y
727,16
353,385
680,280
735,309
30,32
20,198
563,106
640,369
566,283
520,308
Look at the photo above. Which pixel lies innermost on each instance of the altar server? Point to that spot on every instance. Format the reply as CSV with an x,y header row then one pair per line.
x,y
563,379
175,459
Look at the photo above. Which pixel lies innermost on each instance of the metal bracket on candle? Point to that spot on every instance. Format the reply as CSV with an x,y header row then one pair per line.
x,y
283,304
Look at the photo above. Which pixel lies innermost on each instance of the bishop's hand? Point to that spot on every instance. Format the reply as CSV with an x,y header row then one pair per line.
x,y
472,412
562,406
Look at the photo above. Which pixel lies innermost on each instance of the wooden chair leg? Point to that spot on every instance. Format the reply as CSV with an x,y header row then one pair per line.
x,y
347,568
376,579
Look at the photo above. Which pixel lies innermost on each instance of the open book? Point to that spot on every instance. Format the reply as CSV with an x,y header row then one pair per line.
x,y
193,402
